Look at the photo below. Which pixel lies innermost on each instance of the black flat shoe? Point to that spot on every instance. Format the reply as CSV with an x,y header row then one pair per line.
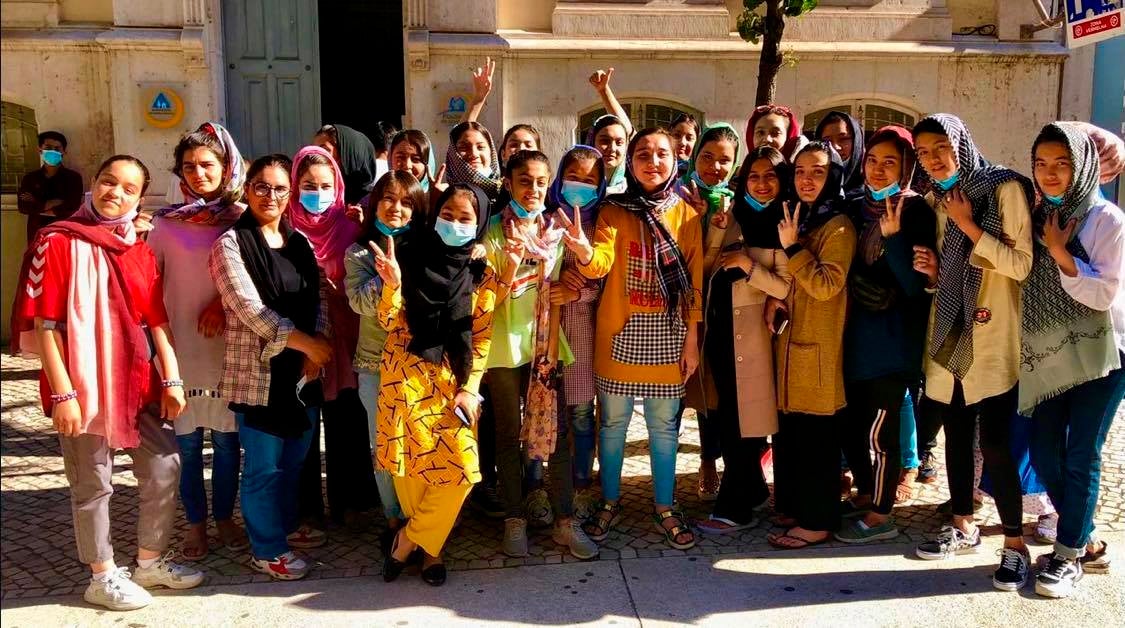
x,y
434,575
392,568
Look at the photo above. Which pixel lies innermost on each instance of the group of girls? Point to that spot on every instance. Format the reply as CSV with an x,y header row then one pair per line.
x,y
468,316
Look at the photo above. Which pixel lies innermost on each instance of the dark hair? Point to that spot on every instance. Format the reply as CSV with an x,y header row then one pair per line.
x,y
652,130
603,122
770,154
685,118
929,125
819,146
834,116
522,127
456,132
415,138
276,160
52,135
582,152
717,134
310,160
381,134
453,190
404,181
200,138
131,159
521,158
330,131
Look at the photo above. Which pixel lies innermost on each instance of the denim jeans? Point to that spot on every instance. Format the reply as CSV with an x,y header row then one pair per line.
x,y
1066,451
663,440
583,431
269,486
224,474
908,433
369,395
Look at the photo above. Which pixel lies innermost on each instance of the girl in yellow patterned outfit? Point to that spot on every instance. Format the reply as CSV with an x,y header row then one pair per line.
x,y
437,309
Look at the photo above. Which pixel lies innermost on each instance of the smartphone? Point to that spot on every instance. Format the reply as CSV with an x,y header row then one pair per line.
x,y
780,321
461,413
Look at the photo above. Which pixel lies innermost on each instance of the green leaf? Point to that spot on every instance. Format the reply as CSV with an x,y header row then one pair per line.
x,y
793,8
752,4
750,26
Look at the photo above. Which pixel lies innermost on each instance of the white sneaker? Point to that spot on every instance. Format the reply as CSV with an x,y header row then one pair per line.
x,y
575,539
285,567
117,592
165,573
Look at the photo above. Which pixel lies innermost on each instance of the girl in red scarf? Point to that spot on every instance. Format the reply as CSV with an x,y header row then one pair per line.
x,y
90,290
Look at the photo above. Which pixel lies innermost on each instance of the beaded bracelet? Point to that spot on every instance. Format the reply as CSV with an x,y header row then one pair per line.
x,y
169,383
67,396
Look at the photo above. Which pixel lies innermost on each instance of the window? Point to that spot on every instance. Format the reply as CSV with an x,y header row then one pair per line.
x,y
643,113
872,114
19,144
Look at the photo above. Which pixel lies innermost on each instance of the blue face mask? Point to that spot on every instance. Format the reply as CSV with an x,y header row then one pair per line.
x,y
948,183
1054,200
753,202
523,213
882,194
578,194
617,177
682,164
390,232
317,201
455,233
703,186
50,157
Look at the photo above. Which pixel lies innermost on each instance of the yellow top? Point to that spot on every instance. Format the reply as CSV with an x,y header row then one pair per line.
x,y
418,433
623,254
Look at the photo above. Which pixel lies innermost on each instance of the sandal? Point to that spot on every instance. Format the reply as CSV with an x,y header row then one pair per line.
x,y
194,547
905,490
708,485
1096,562
677,530
602,522
789,541
721,525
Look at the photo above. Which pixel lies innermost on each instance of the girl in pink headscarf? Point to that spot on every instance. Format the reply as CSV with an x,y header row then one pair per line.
x,y
317,210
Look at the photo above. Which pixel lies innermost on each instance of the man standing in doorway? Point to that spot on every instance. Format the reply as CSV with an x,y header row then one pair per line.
x,y
53,191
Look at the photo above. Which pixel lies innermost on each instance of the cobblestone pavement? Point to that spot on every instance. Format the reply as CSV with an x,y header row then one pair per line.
x,y
38,556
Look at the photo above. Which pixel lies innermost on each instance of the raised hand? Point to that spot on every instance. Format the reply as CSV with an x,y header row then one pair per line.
x,y
575,238
690,193
386,264
354,213
787,227
600,79
482,80
721,219
890,222
437,182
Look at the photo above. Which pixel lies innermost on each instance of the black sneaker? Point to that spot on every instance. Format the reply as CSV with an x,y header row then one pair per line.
x,y
1059,577
927,468
949,543
485,499
1013,571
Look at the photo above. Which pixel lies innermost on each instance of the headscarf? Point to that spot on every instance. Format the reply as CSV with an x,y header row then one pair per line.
x,y
649,208
554,193
713,194
357,162
759,228
615,180
830,201
853,166
431,164
331,232
457,170
951,340
871,237
1064,343
437,286
122,226
225,208
762,111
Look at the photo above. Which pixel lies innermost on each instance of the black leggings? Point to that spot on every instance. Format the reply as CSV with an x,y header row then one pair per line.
x,y
807,455
873,425
348,468
995,417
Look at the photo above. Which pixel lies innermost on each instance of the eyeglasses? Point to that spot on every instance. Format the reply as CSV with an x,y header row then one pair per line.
x,y
262,190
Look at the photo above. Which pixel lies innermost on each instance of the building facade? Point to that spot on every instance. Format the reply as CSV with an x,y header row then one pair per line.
x,y
132,75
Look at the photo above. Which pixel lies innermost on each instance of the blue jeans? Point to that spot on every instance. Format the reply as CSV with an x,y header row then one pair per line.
x,y
224,475
908,433
269,486
1066,451
369,395
582,427
663,440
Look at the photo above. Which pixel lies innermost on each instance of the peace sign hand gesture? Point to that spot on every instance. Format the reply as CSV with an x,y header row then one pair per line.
x,y
890,222
721,219
437,181
787,228
482,80
386,264
575,238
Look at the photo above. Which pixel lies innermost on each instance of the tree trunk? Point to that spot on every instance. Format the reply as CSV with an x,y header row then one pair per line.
x,y
770,60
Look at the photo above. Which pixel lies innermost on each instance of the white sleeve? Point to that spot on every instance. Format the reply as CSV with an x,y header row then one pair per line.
x,y
1099,281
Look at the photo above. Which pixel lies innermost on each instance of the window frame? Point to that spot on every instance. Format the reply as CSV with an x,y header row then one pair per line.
x,y
637,109
15,168
857,108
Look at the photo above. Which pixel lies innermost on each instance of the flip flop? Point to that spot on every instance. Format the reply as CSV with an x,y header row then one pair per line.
x,y
776,541
720,525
